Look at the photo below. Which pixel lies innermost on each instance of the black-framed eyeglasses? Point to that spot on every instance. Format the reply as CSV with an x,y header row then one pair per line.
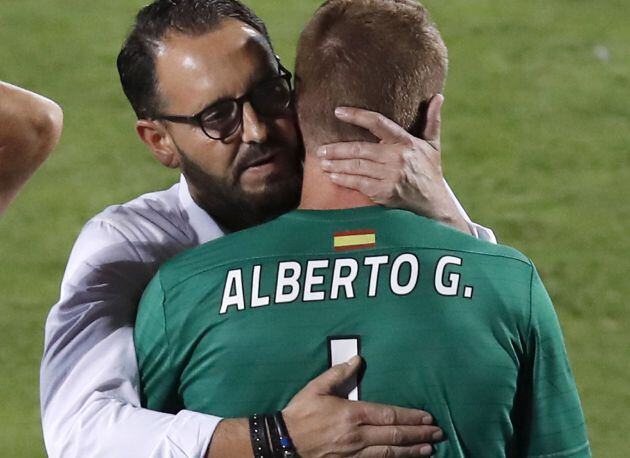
x,y
271,98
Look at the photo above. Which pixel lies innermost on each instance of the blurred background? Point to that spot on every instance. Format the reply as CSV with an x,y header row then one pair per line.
x,y
536,145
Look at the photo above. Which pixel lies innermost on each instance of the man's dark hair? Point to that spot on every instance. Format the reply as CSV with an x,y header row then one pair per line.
x,y
136,60
381,55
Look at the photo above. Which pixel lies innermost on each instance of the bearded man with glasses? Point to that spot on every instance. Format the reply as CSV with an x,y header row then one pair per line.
x,y
213,101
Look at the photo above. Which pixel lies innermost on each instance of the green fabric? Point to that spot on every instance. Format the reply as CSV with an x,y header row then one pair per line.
x,y
491,368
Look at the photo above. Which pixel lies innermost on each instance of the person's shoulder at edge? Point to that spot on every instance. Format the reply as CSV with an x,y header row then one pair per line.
x,y
160,209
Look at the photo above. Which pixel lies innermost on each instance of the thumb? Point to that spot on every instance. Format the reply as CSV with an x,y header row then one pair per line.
x,y
339,380
434,119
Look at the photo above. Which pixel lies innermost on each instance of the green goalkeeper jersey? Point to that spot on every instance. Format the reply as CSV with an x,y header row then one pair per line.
x,y
446,323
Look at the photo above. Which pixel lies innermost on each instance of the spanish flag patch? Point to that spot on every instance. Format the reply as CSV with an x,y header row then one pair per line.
x,y
354,240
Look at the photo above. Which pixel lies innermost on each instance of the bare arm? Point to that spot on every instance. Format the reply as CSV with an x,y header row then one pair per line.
x,y
30,127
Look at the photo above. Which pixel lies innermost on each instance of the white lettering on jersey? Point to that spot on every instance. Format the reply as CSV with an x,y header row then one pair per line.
x,y
290,281
447,288
375,262
314,280
340,350
257,300
346,281
414,274
234,282
325,279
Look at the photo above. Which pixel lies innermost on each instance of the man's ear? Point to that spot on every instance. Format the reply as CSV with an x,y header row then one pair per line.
x,y
419,126
155,136
428,119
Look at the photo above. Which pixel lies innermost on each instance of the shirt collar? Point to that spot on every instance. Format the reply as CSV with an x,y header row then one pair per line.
x,y
202,224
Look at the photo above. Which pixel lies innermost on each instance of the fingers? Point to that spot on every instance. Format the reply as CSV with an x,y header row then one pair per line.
x,y
337,379
381,127
434,119
401,435
396,452
361,167
365,185
353,150
369,413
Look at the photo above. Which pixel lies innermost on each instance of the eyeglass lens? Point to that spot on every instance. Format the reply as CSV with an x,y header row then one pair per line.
x,y
269,99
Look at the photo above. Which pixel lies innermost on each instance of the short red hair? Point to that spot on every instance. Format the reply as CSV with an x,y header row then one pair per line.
x,y
381,55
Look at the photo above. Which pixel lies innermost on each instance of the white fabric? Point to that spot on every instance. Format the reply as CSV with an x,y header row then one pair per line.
x,y
89,375
478,231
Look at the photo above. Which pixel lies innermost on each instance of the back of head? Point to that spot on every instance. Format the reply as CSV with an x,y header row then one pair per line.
x,y
380,55
136,60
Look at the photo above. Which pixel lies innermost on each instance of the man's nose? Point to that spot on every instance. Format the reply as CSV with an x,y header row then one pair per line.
x,y
255,128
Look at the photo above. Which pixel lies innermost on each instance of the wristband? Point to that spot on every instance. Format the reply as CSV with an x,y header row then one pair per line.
x,y
259,438
286,450
275,449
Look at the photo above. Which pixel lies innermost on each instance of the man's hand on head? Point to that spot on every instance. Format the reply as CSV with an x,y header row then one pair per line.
x,y
402,171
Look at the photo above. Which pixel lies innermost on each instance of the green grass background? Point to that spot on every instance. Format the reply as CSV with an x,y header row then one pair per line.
x,y
536,146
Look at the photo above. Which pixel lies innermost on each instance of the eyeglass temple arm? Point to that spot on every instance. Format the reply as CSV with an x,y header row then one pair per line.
x,y
181,119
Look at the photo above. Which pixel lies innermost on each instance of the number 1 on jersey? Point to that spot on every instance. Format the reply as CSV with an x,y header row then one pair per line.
x,y
340,350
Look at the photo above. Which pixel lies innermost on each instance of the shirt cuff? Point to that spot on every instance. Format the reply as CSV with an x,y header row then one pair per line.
x,y
482,233
189,435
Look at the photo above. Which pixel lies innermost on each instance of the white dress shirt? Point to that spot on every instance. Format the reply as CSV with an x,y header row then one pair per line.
x,y
89,376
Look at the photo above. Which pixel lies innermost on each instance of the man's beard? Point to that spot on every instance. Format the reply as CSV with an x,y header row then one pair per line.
x,y
234,208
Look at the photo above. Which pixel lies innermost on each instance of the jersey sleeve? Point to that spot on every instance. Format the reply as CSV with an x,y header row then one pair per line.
x,y
158,380
553,424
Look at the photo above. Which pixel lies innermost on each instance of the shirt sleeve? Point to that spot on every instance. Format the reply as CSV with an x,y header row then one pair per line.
x,y
477,230
553,424
89,374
